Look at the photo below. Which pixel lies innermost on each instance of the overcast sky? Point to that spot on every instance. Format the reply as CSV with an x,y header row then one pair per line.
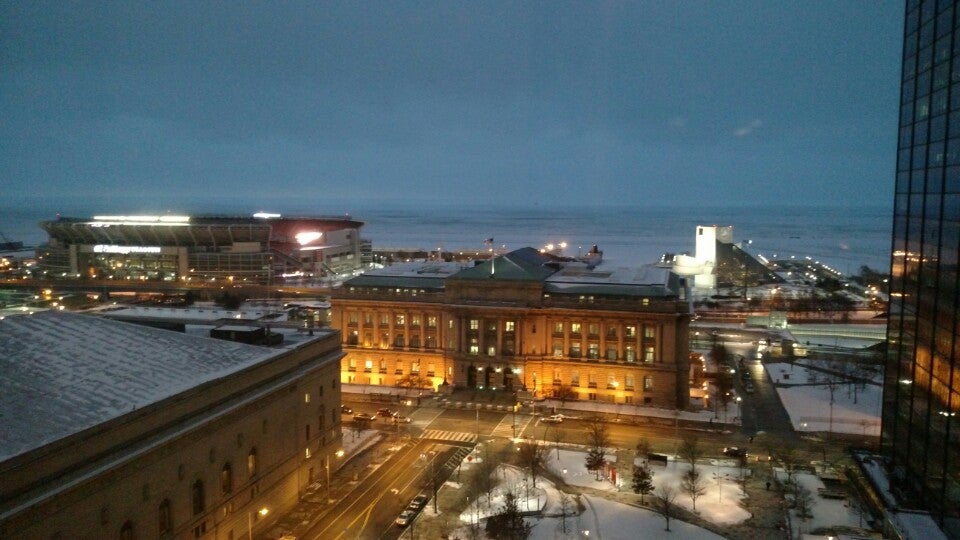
x,y
647,103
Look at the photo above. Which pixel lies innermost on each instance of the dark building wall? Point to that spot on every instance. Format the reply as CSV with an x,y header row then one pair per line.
x,y
921,435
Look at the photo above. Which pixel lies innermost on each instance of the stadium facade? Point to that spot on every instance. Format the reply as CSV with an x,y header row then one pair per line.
x,y
262,249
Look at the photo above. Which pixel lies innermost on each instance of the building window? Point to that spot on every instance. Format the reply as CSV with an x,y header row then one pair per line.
x,y
593,351
306,397
432,321
593,330
431,370
612,332
431,342
491,350
126,532
353,318
591,380
164,517
226,478
630,354
474,324
509,326
368,319
199,502
558,328
400,320
556,377
629,382
384,320
574,378
398,340
649,332
383,366
558,349
574,350
352,364
647,383
575,328
649,353
611,352
415,367
252,462
306,453
353,338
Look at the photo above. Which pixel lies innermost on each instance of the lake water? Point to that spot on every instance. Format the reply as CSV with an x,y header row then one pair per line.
x,y
844,237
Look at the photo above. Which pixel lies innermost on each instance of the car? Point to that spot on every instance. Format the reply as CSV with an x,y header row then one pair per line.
x,y
735,451
363,417
405,518
418,502
400,419
745,375
386,412
345,410
553,419
749,388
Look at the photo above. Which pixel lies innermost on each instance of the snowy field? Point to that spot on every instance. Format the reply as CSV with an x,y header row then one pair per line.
x,y
854,409
600,517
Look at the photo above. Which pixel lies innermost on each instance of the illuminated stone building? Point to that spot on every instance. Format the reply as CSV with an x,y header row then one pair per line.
x,y
920,436
114,430
521,321
265,248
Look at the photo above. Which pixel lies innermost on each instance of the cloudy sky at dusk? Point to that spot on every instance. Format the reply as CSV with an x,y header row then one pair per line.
x,y
644,103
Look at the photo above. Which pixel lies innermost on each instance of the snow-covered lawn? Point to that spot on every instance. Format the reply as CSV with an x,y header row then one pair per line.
x,y
809,405
720,502
826,512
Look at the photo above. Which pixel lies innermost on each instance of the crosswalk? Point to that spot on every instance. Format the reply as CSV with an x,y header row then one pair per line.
x,y
505,427
449,436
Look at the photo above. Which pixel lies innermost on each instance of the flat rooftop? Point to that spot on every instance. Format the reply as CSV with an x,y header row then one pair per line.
x,y
65,372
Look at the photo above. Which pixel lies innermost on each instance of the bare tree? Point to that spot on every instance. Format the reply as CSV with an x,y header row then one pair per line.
x,y
557,439
599,440
568,508
483,473
690,450
665,502
693,485
530,454
564,393
643,447
803,503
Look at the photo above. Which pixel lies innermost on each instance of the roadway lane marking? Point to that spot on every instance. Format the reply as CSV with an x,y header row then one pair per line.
x,y
440,435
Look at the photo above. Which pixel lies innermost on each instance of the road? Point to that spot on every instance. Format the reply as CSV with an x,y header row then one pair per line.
x,y
368,512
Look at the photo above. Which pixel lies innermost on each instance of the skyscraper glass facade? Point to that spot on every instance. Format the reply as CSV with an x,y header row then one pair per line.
x,y
921,410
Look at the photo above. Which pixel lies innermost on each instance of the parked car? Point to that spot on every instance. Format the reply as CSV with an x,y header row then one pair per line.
x,y
400,419
553,419
418,502
345,410
364,417
386,412
735,451
405,518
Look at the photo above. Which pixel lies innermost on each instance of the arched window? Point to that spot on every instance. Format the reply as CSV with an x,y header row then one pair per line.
x,y
252,462
198,499
164,517
226,478
126,532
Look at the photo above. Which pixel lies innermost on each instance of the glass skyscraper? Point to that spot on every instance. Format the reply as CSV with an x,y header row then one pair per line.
x,y
921,426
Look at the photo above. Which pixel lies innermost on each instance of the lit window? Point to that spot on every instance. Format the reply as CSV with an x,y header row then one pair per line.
x,y
474,324
509,326
306,397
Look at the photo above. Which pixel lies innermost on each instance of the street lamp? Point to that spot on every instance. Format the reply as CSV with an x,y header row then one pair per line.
x,y
739,409
261,513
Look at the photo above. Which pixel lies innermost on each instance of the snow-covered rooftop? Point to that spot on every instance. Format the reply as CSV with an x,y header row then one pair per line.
x,y
61,373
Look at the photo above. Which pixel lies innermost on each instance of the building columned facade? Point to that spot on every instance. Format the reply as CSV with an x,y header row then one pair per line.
x,y
115,430
523,321
920,436
264,249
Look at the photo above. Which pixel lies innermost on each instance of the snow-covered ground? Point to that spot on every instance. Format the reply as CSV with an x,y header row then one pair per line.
x,y
720,502
600,518
807,401
824,512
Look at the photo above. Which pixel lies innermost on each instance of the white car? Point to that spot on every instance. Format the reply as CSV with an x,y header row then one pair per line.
x,y
553,419
405,518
